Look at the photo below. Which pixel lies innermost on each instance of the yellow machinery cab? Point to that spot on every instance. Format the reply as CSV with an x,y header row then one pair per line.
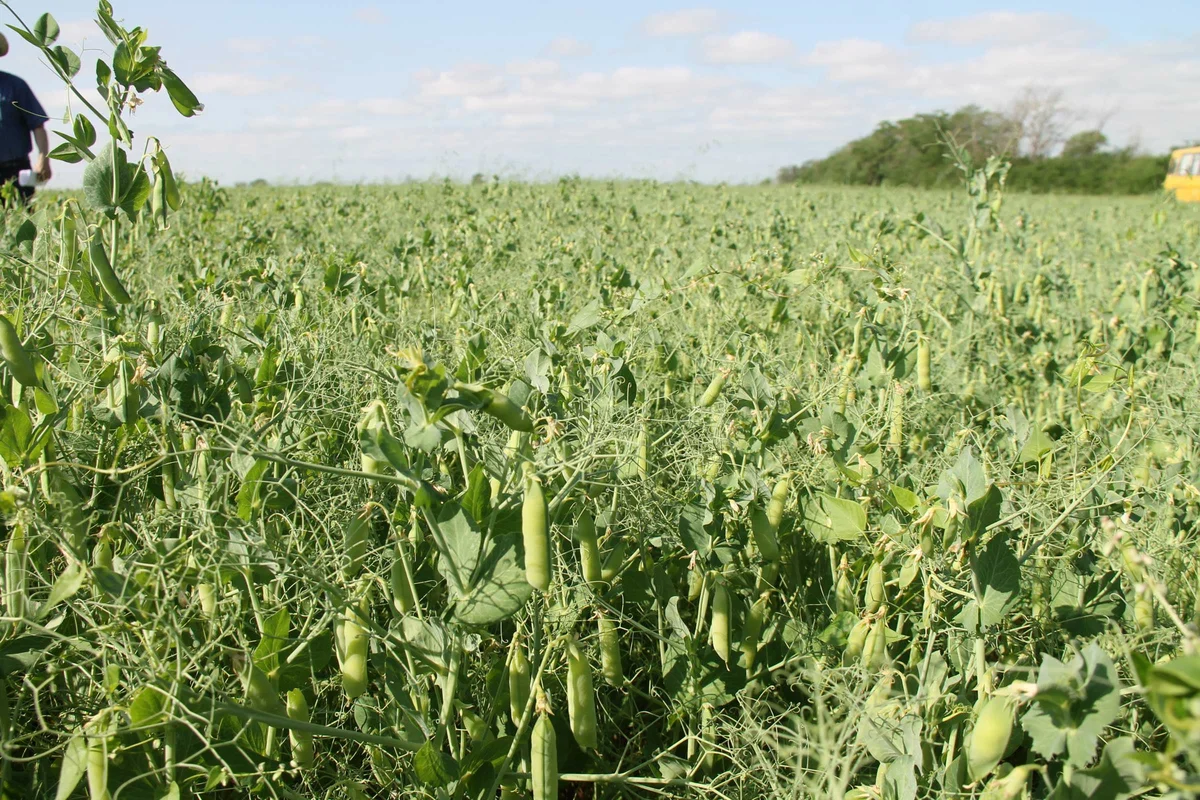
x,y
1183,175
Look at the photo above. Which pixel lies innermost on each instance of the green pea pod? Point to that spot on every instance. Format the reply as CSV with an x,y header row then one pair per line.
x,y
719,630
589,550
535,536
764,535
104,271
752,630
610,651
874,595
581,697
356,542
714,389
924,366
301,741
14,354
518,680
404,594
989,739
354,642
508,412
544,760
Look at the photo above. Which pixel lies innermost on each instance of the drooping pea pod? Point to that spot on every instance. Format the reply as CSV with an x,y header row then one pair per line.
x,y
581,697
610,650
301,741
535,534
924,365
404,593
356,541
875,652
719,627
989,739
97,758
589,549
764,535
752,631
874,596
544,759
15,572
643,451
14,354
104,271
354,639
519,675
260,693
373,418
714,389
500,406
208,599
856,641
843,593
896,424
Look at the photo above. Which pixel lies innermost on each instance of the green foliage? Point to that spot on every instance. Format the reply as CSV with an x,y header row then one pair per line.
x,y
909,152
318,396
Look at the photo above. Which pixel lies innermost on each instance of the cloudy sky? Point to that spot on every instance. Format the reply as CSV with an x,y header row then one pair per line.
x,y
308,90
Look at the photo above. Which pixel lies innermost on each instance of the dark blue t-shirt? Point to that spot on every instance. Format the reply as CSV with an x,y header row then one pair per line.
x,y
20,113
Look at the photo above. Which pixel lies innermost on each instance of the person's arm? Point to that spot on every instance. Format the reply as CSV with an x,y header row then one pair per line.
x,y
42,164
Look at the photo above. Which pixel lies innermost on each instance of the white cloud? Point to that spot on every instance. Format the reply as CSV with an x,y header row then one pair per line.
x,y
354,133
370,15
526,120
747,47
568,47
237,84
534,68
387,106
687,22
1004,27
856,60
466,80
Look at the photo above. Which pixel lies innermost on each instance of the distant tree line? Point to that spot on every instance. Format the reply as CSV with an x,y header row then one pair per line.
x,y
1031,134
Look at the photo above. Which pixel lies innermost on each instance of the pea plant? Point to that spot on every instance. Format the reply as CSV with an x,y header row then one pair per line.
x,y
588,489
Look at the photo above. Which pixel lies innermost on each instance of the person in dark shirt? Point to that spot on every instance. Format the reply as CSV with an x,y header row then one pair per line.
x,y
21,116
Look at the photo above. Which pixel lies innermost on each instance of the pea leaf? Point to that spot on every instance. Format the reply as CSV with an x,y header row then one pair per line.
x,y
434,768
499,590
999,574
15,433
834,519
1074,703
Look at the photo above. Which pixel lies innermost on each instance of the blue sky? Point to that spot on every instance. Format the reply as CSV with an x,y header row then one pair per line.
x,y
304,90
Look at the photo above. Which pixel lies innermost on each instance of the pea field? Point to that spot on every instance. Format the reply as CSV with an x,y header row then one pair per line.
x,y
591,489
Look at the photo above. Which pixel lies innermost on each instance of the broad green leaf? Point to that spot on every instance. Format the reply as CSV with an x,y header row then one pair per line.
x,y
1036,446
499,589
46,29
692,531
274,637
833,519
15,434
434,768
181,96
462,542
65,587
1074,704
999,574
249,496
476,500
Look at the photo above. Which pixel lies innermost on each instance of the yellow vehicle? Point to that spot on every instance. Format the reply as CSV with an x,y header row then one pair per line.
x,y
1183,175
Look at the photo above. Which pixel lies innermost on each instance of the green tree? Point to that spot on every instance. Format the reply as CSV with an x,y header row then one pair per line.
x,y
1084,143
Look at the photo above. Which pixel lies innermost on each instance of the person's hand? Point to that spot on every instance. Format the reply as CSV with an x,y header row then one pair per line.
x,y
42,168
